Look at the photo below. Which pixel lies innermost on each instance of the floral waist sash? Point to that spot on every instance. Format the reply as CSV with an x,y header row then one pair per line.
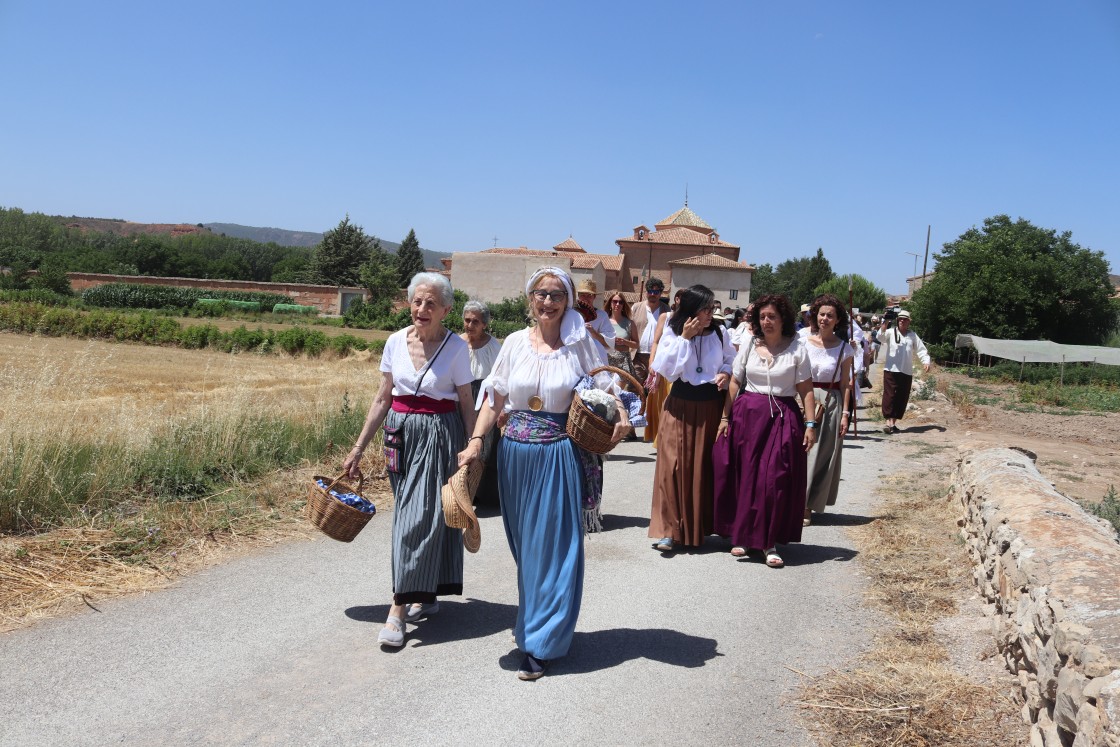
x,y
531,427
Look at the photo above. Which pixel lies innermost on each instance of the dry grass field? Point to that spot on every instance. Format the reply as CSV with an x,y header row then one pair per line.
x,y
121,465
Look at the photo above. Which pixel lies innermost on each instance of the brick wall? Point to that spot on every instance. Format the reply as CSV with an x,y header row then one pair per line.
x,y
327,298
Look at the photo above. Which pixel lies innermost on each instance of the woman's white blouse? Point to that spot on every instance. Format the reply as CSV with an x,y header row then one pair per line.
x,y
451,369
678,358
777,377
825,360
520,373
482,359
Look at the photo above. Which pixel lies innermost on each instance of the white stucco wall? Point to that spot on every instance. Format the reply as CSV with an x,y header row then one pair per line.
x,y
720,280
493,277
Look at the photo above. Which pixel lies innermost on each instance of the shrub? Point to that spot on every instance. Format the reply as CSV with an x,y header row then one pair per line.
x,y
1109,507
138,296
342,345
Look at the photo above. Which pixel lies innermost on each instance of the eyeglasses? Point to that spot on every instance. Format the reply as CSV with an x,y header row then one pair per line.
x,y
554,296
655,292
615,302
710,308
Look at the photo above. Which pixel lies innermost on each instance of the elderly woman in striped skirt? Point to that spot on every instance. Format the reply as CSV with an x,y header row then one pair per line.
x,y
425,405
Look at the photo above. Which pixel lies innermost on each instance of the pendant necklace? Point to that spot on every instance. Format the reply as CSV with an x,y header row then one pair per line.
x,y
700,352
536,404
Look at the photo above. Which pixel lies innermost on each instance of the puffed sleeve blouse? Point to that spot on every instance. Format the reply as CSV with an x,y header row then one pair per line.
x,y
678,358
777,377
482,359
450,369
520,373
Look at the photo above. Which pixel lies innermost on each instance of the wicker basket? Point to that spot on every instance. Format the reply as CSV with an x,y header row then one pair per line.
x,y
587,429
336,519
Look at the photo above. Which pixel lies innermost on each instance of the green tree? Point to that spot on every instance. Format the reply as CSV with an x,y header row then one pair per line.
x,y
338,258
798,278
1015,281
380,276
866,296
410,260
52,277
762,281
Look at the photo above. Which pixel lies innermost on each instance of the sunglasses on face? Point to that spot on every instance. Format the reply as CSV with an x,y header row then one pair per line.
x,y
554,296
615,302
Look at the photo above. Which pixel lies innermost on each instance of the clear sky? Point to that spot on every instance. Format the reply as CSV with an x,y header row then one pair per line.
x,y
849,126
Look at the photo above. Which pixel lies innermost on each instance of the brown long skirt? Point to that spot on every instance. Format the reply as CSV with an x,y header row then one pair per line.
x,y
655,400
682,480
896,394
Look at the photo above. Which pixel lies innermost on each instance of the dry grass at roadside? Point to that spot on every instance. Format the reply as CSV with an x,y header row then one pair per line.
x,y
905,691
79,532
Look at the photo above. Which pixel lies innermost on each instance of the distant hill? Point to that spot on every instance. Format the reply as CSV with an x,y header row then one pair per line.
x,y
127,228
280,236
284,237
265,235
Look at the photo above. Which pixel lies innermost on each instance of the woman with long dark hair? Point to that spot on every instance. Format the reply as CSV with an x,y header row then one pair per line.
x,y
695,354
760,462
831,357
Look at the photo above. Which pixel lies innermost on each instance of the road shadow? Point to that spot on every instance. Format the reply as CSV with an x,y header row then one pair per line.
x,y
604,649
630,459
922,429
829,519
456,620
613,523
800,554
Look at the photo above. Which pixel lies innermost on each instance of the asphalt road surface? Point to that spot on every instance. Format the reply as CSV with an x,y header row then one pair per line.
x,y
279,648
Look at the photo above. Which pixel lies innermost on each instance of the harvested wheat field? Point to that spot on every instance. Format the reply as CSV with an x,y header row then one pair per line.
x,y
122,466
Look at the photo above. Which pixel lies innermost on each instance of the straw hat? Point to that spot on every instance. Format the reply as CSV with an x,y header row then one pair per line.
x,y
587,285
458,499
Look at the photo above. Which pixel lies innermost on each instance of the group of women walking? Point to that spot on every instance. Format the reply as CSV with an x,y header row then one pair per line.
x,y
735,456
427,408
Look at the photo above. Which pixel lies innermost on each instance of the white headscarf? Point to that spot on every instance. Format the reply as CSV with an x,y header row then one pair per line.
x,y
571,324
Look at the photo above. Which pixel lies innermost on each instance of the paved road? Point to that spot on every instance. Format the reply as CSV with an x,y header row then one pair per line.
x,y
279,647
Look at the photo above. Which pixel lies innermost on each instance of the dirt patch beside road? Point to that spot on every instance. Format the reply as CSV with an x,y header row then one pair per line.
x,y
1077,451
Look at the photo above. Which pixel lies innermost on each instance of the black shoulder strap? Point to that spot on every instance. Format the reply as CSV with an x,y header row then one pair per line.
x,y
428,367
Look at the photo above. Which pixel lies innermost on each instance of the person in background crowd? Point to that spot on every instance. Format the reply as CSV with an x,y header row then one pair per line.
x,y
625,332
901,344
541,472
743,329
803,323
483,348
645,314
695,354
657,386
424,401
596,321
830,356
760,454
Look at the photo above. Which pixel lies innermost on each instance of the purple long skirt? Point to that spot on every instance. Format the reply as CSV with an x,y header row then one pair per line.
x,y
761,473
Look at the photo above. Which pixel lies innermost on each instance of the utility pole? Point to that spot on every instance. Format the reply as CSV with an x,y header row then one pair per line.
x,y
925,262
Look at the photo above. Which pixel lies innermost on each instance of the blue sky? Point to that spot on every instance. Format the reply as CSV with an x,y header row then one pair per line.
x,y
795,125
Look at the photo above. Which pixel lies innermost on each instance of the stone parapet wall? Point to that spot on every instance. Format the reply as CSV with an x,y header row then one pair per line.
x,y
1050,573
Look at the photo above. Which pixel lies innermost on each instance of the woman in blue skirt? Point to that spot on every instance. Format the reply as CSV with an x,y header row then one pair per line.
x,y
541,474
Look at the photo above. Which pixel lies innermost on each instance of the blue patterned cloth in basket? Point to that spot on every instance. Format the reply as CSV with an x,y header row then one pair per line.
x,y
632,401
350,499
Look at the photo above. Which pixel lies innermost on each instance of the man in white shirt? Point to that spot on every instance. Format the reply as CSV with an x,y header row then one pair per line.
x,y
645,314
596,320
900,345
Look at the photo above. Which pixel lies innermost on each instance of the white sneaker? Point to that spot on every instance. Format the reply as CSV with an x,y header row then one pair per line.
x,y
390,637
414,612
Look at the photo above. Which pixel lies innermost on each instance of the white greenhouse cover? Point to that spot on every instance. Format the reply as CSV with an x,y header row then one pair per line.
x,y
1040,351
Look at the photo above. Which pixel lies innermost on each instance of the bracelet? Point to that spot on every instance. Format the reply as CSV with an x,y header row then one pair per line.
x,y
725,418
812,424
480,438
359,449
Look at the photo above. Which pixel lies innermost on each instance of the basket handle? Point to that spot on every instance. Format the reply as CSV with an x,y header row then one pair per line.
x,y
625,375
341,477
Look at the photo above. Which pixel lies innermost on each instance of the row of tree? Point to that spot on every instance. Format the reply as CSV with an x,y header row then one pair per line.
x,y
803,279
34,241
